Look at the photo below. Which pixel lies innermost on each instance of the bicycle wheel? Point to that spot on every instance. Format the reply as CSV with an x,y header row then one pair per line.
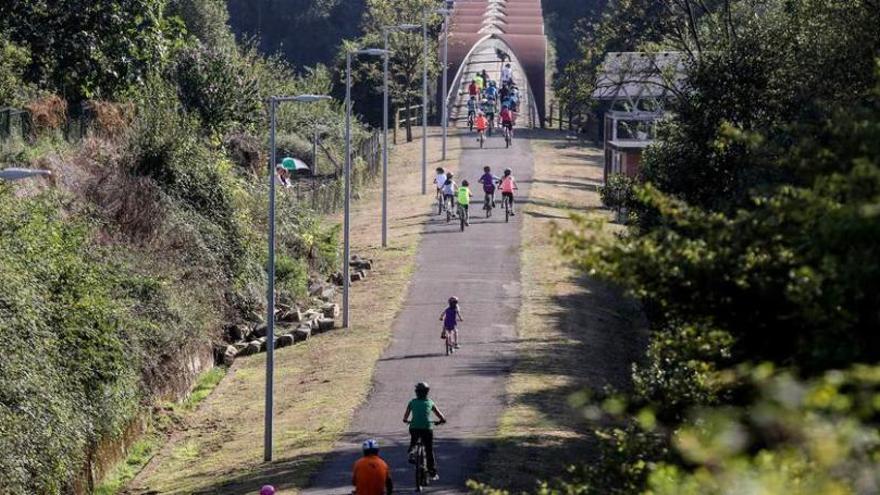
x,y
482,138
462,214
507,210
421,468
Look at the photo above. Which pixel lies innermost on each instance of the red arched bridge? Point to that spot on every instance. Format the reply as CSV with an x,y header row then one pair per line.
x,y
482,33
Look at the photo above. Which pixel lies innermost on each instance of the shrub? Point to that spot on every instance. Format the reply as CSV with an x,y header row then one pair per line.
x,y
618,192
220,86
80,327
48,113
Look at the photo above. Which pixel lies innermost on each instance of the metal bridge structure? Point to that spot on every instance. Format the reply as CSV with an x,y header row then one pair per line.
x,y
481,34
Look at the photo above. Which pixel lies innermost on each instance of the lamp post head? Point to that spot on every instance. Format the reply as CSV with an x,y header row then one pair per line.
x,y
375,52
16,173
311,98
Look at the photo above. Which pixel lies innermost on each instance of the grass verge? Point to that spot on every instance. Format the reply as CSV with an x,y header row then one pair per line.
x,y
140,453
574,333
318,384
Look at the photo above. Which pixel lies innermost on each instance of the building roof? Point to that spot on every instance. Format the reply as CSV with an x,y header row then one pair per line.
x,y
638,75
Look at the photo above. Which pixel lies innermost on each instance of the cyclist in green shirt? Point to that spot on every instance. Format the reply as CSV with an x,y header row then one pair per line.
x,y
421,426
463,195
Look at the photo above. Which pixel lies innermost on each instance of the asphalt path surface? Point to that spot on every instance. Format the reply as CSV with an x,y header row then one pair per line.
x,y
481,267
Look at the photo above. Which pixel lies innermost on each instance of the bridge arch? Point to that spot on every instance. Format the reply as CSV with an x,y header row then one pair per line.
x,y
478,27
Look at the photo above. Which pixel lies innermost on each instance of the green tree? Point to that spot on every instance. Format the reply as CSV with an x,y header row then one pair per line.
x,y
90,49
407,60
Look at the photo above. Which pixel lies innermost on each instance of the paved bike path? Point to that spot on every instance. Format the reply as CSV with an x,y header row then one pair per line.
x,y
481,267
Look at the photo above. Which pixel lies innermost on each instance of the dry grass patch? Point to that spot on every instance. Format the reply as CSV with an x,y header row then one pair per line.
x,y
318,384
574,332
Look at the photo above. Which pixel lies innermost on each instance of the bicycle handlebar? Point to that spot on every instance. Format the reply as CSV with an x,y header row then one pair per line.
x,y
435,423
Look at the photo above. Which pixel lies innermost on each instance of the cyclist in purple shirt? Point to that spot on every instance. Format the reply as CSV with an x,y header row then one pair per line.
x,y
488,181
450,317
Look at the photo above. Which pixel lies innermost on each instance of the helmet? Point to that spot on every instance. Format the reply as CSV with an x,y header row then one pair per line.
x,y
267,490
507,171
422,387
453,300
370,445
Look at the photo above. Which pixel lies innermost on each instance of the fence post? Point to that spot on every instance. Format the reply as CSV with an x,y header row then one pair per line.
x,y
396,123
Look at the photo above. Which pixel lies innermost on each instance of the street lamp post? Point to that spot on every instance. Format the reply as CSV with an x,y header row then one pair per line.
x,y
445,78
425,98
270,269
425,104
385,31
346,235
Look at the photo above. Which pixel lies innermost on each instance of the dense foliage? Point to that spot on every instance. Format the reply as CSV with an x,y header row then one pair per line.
x,y
754,239
152,238
406,63
81,324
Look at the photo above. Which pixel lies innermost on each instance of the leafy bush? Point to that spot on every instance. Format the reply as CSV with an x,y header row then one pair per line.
x,y
756,241
97,49
618,192
13,60
78,328
218,84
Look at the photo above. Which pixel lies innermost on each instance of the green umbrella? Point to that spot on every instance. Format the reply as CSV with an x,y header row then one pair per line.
x,y
294,164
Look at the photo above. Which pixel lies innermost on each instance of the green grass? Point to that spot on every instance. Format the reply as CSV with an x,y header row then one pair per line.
x,y
143,450
138,457
206,384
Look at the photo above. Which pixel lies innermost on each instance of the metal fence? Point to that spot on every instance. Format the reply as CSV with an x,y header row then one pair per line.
x,y
17,124
324,193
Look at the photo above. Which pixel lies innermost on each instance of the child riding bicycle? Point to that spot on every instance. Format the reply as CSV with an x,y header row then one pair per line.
x,y
421,426
508,185
489,182
482,123
450,317
448,191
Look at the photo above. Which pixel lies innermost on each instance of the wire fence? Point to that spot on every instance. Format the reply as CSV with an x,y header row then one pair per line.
x,y
20,124
325,193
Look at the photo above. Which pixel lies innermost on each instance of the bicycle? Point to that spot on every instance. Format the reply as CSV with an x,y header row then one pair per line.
x,y
450,342
463,216
470,121
487,204
508,136
448,208
506,203
440,202
482,137
420,462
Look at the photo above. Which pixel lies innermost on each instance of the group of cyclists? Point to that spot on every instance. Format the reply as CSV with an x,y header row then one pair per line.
x,y
486,100
371,474
453,196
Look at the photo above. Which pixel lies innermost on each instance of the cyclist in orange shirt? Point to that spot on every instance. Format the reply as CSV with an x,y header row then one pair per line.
x,y
482,123
371,475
